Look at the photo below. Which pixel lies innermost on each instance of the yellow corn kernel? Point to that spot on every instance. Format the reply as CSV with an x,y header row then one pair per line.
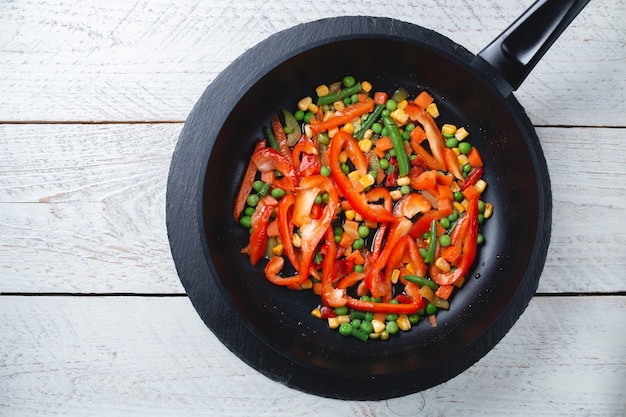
x,y
296,240
354,176
402,105
442,264
433,110
343,157
480,185
400,116
348,127
366,86
307,284
403,322
395,276
313,108
322,90
458,207
374,335
278,250
367,180
327,115
368,134
344,319
303,104
339,105
316,313
441,303
333,322
396,195
456,152
403,181
427,293
409,267
461,133
365,145
455,187
448,129
462,159
350,213
332,132
488,210
378,326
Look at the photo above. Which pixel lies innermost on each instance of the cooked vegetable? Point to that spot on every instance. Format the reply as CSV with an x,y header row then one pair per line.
x,y
376,209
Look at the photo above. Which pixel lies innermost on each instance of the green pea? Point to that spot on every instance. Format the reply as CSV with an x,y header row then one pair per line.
x,y
318,199
338,231
325,197
278,193
445,223
345,329
265,189
337,238
299,115
391,105
422,252
431,308
481,206
341,311
365,298
384,335
409,127
358,243
392,327
454,215
383,163
358,268
458,196
252,200
356,323
384,131
445,241
405,189
480,239
323,138
347,101
366,327
377,128
246,221
257,185
354,98
364,231
481,218
452,142
414,318
325,170
406,135
249,211
349,81
369,316
307,117
345,168
392,317
465,147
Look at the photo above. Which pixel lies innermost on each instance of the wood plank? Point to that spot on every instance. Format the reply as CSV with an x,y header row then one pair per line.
x,y
121,61
153,356
84,207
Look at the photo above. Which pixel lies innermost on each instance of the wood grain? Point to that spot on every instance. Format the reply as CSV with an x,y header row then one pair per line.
x,y
85,207
153,356
129,61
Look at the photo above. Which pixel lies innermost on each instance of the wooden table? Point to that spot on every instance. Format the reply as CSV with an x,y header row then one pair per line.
x,y
93,318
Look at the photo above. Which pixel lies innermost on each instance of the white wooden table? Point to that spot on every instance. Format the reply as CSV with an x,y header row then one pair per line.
x,y
93,318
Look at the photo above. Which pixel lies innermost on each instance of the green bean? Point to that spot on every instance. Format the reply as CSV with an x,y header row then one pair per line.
x,y
269,135
398,146
373,117
430,252
422,281
359,335
340,95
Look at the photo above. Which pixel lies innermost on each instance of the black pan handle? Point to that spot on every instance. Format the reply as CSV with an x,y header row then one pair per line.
x,y
516,51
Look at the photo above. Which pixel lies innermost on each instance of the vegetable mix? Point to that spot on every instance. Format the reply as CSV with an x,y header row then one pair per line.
x,y
365,200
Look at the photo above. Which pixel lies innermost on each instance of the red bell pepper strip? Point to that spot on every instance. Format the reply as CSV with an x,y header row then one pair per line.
x,y
310,163
285,227
406,243
356,199
388,308
312,230
259,224
435,139
469,246
411,204
246,184
474,175
281,137
269,159
452,164
342,117
422,225
373,195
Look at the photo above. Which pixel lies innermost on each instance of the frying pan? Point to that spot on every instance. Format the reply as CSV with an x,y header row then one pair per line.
x,y
270,327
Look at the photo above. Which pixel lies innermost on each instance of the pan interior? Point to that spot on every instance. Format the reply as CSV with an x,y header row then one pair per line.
x,y
281,317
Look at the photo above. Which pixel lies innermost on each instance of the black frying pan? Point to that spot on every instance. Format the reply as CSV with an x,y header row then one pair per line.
x,y
271,328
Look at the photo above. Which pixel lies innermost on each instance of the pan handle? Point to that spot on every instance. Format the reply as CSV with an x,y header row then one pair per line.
x,y
516,51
